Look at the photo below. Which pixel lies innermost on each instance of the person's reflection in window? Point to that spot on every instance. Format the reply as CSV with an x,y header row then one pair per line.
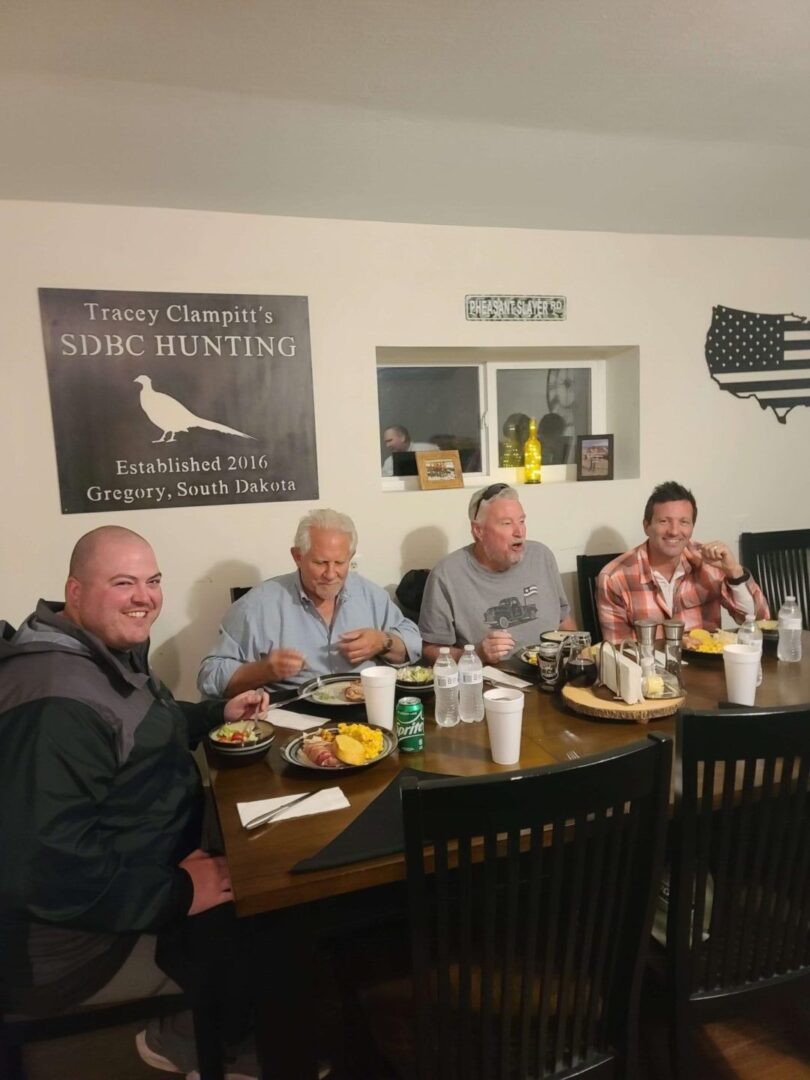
x,y
397,439
554,443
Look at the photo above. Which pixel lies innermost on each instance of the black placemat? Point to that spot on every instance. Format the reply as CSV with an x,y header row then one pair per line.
x,y
377,831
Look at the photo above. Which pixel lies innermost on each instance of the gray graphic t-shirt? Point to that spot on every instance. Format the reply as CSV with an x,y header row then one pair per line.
x,y
463,601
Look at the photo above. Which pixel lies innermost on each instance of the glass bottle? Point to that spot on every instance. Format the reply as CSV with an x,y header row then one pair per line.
x,y
510,454
532,456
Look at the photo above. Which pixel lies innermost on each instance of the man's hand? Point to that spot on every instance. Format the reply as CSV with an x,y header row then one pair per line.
x,y
496,646
278,665
251,705
283,664
209,876
715,553
360,645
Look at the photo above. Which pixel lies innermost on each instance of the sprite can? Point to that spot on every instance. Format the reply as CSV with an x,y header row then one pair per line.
x,y
410,720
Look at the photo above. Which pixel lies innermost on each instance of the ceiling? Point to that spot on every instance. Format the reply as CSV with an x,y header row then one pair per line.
x,y
672,116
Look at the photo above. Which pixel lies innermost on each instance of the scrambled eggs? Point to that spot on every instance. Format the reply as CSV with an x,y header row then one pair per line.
x,y
370,740
704,642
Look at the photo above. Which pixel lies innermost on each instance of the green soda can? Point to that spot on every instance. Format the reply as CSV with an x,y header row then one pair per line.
x,y
410,720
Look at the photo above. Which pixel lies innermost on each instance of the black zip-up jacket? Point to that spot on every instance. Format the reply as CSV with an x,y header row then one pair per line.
x,y
100,799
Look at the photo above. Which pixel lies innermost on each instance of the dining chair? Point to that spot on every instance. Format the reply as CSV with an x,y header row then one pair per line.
x,y
780,564
588,569
740,863
410,591
238,591
18,1030
530,904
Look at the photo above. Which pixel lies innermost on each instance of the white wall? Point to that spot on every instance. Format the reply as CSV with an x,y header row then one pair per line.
x,y
369,285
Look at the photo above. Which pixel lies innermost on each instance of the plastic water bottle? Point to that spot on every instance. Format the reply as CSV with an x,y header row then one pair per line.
x,y
470,686
750,634
790,631
445,683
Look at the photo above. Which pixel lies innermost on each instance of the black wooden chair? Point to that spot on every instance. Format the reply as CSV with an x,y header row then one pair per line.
x,y
530,913
410,591
780,563
17,1030
239,590
588,568
740,863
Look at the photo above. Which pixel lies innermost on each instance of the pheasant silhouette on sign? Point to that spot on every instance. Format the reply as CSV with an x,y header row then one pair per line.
x,y
171,416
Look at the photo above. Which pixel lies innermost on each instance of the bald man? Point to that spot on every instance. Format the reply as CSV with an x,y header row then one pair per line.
x,y
100,798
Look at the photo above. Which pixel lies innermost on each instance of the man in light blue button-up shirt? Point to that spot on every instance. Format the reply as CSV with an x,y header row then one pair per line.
x,y
318,620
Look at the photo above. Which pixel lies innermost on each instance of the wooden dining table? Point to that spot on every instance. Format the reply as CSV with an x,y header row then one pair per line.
x,y
285,906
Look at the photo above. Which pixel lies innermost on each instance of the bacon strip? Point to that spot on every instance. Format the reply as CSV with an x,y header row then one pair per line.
x,y
320,752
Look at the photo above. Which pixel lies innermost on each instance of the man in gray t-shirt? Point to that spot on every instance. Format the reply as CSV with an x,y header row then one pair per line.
x,y
500,591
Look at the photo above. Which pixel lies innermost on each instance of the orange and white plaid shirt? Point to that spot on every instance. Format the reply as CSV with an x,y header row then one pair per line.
x,y
626,590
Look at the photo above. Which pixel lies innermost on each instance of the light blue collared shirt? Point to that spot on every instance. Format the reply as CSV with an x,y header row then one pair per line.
x,y
278,614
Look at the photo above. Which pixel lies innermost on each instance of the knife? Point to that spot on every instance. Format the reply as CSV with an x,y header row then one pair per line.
x,y
305,691
262,819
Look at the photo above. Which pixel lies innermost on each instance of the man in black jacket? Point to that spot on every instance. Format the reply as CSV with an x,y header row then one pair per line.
x,y
101,802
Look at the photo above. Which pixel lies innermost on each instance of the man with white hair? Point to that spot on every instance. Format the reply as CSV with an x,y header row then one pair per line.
x,y
499,592
318,620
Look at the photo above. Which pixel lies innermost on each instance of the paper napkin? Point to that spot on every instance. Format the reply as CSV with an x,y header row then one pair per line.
x,y
505,679
289,718
326,799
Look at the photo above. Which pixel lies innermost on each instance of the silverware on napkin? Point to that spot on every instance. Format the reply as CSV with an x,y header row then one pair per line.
x,y
262,819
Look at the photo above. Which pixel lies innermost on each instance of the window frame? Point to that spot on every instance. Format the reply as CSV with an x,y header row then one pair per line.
x,y
488,407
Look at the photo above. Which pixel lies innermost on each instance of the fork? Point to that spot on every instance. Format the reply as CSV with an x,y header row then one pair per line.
x,y
262,819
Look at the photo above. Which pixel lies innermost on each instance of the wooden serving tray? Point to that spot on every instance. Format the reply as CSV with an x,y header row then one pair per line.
x,y
590,702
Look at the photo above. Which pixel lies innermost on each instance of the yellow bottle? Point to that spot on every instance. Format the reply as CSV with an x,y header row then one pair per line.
x,y
532,456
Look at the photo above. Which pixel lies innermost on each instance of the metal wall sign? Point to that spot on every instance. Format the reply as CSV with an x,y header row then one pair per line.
x,y
766,357
162,400
514,308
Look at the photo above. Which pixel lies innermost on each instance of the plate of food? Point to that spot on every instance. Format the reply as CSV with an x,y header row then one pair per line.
x,y
415,679
338,747
243,740
704,643
770,632
529,655
339,691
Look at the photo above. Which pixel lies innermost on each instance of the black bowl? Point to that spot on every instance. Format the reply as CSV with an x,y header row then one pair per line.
x,y
230,754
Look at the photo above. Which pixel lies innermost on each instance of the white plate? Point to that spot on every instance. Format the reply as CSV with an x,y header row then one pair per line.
x,y
332,693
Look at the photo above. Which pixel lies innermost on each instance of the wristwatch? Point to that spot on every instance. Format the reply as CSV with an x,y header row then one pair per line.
x,y
387,645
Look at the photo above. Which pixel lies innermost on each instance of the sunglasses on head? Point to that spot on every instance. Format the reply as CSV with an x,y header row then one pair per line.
x,y
487,494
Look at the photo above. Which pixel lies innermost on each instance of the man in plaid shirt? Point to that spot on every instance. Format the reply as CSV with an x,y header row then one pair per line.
x,y
671,576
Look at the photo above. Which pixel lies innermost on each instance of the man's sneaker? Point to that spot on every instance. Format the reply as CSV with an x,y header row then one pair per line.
x,y
158,1061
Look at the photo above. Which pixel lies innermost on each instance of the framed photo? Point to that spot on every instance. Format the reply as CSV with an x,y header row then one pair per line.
x,y
594,457
439,469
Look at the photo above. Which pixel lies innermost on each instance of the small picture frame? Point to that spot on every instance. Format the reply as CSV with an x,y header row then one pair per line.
x,y
594,457
439,469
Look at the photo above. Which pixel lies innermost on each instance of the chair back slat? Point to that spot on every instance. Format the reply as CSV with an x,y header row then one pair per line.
x,y
588,569
741,873
528,934
780,563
